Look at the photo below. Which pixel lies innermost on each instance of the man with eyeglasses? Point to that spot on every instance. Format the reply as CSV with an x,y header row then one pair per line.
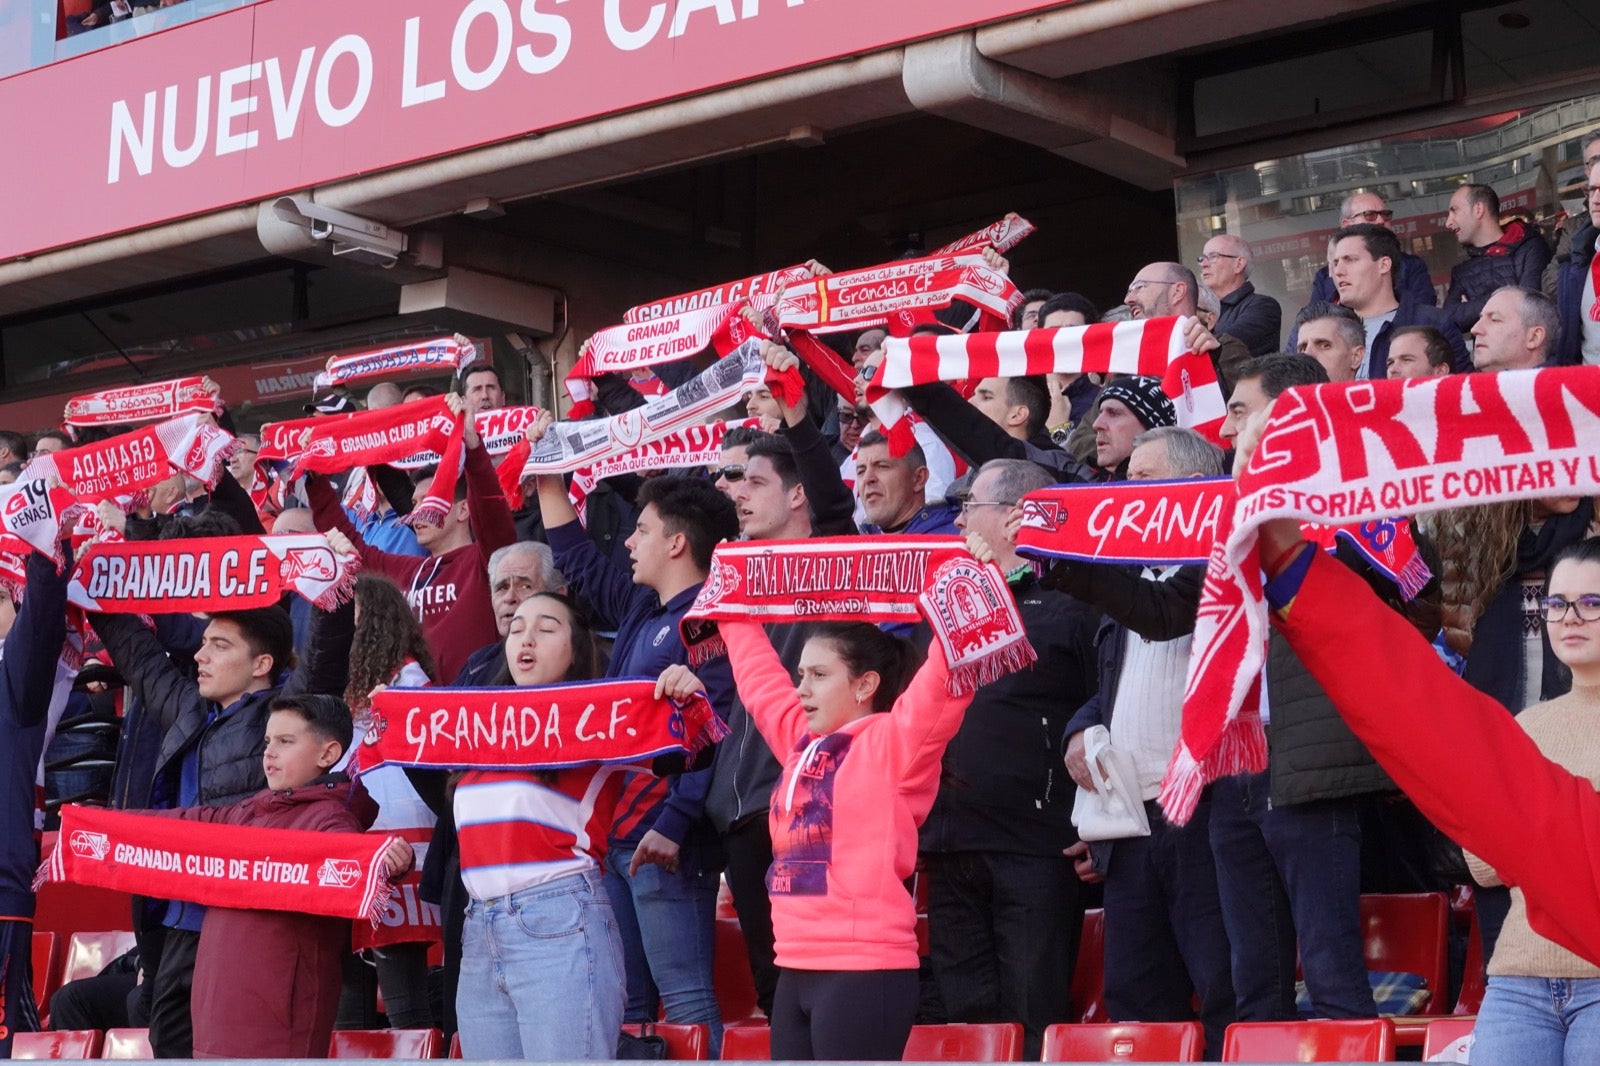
x,y
1004,908
1253,317
1575,291
853,421
1161,289
1413,281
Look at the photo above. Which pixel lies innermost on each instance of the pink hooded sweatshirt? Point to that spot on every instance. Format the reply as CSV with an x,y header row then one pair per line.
x,y
845,812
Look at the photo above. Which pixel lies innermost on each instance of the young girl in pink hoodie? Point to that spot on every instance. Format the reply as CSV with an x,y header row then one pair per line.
x,y
855,786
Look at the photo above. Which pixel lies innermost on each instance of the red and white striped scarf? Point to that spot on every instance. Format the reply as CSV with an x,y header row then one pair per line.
x,y
1152,347
1002,236
154,402
442,353
204,574
129,462
1354,452
32,511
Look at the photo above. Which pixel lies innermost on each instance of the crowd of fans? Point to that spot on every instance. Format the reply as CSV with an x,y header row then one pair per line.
x,y
81,16
1209,920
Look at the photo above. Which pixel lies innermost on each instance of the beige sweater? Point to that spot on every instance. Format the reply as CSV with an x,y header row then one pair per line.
x,y
1567,730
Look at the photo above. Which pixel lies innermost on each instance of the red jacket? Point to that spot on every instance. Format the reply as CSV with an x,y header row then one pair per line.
x,y
449,592
1461,758
266,983
845,812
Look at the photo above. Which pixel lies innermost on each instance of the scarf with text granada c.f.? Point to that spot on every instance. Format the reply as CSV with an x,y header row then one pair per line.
x,y
868,579
1350,453
241,867
208,574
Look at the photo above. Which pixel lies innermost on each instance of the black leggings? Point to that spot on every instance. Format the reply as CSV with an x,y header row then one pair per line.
x,y
860,1015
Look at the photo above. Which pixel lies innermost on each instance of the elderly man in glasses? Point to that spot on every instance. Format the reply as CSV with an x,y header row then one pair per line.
x,y
1412,282
1253,317
1161,289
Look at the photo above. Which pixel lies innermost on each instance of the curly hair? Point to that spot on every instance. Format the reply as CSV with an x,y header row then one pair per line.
x,y
386,636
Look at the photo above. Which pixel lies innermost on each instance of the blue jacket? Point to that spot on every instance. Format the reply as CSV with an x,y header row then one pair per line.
x,y
27,675
934,518
648,642
1572,273
1415,283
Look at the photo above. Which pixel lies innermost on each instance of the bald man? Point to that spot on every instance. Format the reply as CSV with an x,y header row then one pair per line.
x,y
1253,317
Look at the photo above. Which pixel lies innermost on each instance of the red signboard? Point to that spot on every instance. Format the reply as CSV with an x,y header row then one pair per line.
x,y
289,94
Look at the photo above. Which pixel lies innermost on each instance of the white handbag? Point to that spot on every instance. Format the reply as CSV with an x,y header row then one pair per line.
x,y
1115,809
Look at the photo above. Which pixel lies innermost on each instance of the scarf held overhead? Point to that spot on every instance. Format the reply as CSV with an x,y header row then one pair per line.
x,y
549,727
877,579
620,349
1351,453
857,298
211,574
241,867
155,402
689,447
443,353
129,462
31,511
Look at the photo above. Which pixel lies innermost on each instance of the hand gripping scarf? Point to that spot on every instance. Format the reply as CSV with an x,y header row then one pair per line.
x,y
211,574
443,353
550,727
31,513
856,299
1351,453
236,866
1147,523
155,402
1001,236
619,349
569,446
1152,347
367,438
500,430
129,462
868,579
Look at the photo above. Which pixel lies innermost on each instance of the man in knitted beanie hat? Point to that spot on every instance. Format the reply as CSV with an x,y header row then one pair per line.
x,y
1128,407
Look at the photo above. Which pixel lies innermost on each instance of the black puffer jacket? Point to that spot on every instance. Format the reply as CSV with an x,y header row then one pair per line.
x,y
1517,258
1311,753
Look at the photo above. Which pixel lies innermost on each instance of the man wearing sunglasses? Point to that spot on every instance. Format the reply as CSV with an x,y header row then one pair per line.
x,y
1412,280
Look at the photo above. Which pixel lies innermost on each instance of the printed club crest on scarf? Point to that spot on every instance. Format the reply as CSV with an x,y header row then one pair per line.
x,y
1355,452
203,574
154,402
340,875
442,353
129,462
855,299
868,579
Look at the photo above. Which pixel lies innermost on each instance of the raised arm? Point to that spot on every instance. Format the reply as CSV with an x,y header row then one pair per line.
x,y
33,646
1156,610
487,511
765,685
138,656
924,718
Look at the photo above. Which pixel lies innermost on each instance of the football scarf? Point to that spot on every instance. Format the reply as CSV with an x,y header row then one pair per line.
x,y
367,438
236,866
571,445
32,512
1001,236
1352,453
208,574
868,579
155,402
129,462
550,727
619,349
695,446
1149,348
443,353
730,292
856,299
500,430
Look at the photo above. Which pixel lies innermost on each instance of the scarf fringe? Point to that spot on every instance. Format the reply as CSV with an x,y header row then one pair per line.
x,y
338,594
967,678
1413,577
1181,786
705,649
429,512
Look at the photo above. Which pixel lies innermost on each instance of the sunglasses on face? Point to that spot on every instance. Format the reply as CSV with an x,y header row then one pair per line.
x,y
730,473
855,416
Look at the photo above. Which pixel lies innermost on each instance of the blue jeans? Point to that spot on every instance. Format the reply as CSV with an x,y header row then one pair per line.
x,y
541,974
1538,1021
1286,874
668,923
1165,941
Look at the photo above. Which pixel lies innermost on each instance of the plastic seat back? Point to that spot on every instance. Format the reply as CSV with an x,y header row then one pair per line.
x,y
89,953
986,1042
1407,932
731,979
1444,1033
1088,990
127,1044
1125,1042
1359,1040
66,1044
45,949
747,1043
385,1044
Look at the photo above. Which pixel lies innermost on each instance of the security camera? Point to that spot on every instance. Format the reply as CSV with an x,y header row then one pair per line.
x,y
361,239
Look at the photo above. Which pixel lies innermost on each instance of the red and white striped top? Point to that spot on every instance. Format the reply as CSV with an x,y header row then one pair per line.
x,y
516,831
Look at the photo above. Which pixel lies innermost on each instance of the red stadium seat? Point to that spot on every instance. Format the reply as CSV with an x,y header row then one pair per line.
x,y
127,1044
67,1044
1407,933
1125,1042
1088,991
1360,1040
730,975
747,1043
1443,1032
1474,977
725,908
385,1044
686,1043
44,975
455,1045
89,953
986,1042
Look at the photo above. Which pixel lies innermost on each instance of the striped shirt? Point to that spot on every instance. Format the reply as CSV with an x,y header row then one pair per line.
x,y
516,831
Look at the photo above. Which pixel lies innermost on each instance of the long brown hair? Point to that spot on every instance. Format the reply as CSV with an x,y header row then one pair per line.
x,y
1478,551
386,636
